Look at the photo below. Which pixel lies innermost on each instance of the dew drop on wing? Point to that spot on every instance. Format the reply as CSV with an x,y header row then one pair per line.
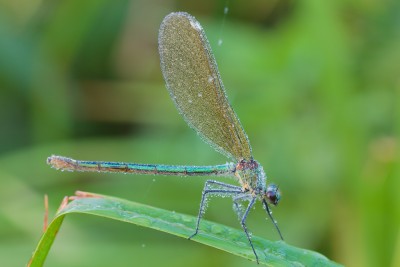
x,y
196,25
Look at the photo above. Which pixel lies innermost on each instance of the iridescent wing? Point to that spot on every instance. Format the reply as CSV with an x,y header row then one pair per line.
x,y
195,86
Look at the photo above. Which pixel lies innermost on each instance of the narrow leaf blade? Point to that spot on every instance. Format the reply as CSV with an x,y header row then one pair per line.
x,y
212,234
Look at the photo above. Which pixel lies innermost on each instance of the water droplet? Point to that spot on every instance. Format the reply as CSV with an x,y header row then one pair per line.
x,y
220,42
154,180
143,245
216,229
196,25
226,10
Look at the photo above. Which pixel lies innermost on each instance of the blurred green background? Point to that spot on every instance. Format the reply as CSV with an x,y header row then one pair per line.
x,y
314,83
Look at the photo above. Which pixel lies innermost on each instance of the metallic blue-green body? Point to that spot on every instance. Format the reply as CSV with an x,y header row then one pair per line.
x,y
64,163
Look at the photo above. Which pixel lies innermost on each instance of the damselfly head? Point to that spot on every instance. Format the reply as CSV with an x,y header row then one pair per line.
x,y
272,194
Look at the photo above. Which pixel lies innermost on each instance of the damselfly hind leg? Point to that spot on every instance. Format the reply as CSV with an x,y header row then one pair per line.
x,y
213,187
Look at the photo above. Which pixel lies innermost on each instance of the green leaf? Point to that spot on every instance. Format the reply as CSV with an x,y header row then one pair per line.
x,y
212,234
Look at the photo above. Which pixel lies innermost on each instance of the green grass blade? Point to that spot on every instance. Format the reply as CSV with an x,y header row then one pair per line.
x,y
45,242
212,234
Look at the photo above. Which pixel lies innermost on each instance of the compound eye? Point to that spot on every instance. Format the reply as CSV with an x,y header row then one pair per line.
x,y
272,194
